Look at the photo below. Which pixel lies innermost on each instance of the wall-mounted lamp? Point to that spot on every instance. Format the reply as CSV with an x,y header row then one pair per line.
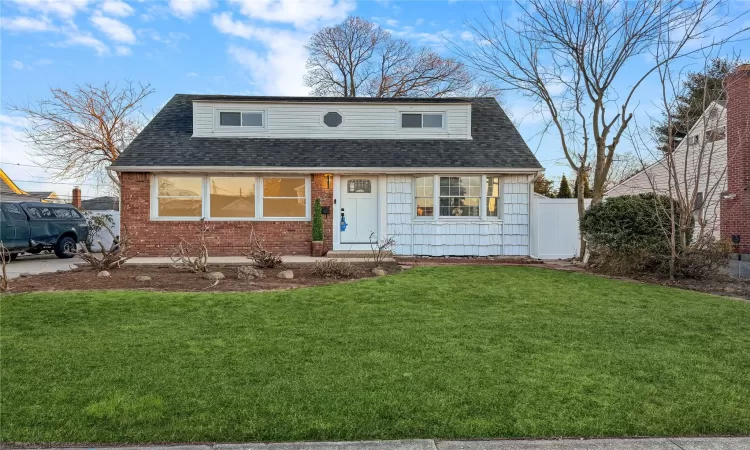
x,y
329,179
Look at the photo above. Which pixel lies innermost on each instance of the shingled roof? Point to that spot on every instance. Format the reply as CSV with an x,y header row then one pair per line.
x,y
167,142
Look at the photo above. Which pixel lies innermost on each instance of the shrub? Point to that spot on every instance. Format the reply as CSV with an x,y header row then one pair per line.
x,y
331,268
630,234
317,224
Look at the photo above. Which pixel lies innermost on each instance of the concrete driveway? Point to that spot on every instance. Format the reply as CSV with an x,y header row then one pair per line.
x,y
740,269
36,264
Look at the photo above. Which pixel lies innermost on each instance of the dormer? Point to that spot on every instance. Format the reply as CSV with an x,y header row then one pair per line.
x,y
331,118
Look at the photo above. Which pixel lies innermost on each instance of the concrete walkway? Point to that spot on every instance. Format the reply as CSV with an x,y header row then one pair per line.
x,y
713,443
34,265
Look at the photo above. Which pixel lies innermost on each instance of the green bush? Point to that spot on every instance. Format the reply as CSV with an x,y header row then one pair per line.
x,y
630,234
317,225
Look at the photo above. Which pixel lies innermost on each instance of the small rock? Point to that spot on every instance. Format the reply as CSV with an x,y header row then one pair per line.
x,y
732,290
61,271
213,276
102,274
405,267
378,272
286,274
143,278
24,275
249,273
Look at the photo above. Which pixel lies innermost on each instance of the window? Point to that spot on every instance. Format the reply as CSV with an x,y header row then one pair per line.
x,y
493,197
459,196
284,197
240,119
66,213
424,196
179,196
359,186
422,120
13,210
231,196
34,213
332,119
716,135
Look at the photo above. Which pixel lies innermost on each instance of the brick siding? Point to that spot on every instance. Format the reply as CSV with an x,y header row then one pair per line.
x,y
225,238
735,212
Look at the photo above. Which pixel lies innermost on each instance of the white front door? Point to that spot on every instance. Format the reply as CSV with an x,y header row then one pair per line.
x,y
359,208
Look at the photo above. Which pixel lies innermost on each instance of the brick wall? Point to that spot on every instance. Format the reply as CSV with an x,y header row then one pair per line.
x,y
158,238
735,212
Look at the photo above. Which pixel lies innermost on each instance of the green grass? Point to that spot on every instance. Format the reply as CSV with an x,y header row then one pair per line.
x,y
459,352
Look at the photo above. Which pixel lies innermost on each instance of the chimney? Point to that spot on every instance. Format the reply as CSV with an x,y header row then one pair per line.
x,y
76,197
735,205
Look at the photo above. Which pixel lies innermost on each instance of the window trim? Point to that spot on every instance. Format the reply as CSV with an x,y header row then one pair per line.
x,y
206,198
242,128
422,113
436,217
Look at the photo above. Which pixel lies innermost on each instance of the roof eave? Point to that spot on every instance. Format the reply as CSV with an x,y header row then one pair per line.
x,y
266,169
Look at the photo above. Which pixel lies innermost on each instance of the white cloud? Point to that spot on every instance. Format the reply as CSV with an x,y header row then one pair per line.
x,y
298,12
224,23
391,22
467,36
114,29
21,23
44,62
171,38
188,8
117,8
123,50
85,40
191,74
419,22
16,64
63,8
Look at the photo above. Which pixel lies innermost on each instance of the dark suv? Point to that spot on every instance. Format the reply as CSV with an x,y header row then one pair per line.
x,y
35,226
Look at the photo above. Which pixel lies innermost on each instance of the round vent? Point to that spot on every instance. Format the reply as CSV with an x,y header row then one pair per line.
x,y
332,119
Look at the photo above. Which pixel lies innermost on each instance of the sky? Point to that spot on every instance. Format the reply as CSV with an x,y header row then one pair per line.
x,y
243,47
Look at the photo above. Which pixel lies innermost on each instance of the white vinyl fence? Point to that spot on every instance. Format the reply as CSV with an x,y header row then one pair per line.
x,y
556,234
103,235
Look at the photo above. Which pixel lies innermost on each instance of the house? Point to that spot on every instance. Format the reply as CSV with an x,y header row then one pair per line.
x,y
108,203
715,160
447,176
9,192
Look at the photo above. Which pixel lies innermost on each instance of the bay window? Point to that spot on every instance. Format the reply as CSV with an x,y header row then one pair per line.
x,y
458,196
230,197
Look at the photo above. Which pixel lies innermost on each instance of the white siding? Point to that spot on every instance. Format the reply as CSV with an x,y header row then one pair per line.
x,y
703,165
360,121
459,238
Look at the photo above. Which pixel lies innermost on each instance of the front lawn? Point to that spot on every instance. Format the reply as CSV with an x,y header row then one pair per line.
x,y
459,352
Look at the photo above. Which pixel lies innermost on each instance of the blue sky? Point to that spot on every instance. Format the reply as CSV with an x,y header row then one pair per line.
x,y
253,47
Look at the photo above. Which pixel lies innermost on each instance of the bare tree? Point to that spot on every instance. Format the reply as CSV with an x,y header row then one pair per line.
x,y
583,61
358,59
690,165
77,133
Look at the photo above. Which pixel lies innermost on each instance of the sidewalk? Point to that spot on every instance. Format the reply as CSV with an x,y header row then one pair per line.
x,y
711,443
242,260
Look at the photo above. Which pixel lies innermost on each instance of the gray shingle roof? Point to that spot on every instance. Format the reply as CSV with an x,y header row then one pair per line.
x,y
167,141
105,203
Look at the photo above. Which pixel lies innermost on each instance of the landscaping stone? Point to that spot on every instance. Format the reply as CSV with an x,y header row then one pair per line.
x,y
143,278
249,273
379,272
24,275
102,274
286,274
405,267
213,276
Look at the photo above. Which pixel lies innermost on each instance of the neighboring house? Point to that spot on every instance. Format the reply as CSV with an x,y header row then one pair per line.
x,y
700,164
722,137
105,203
9,192
440,176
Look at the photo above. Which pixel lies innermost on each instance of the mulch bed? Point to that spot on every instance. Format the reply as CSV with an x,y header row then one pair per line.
x,y
167,278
